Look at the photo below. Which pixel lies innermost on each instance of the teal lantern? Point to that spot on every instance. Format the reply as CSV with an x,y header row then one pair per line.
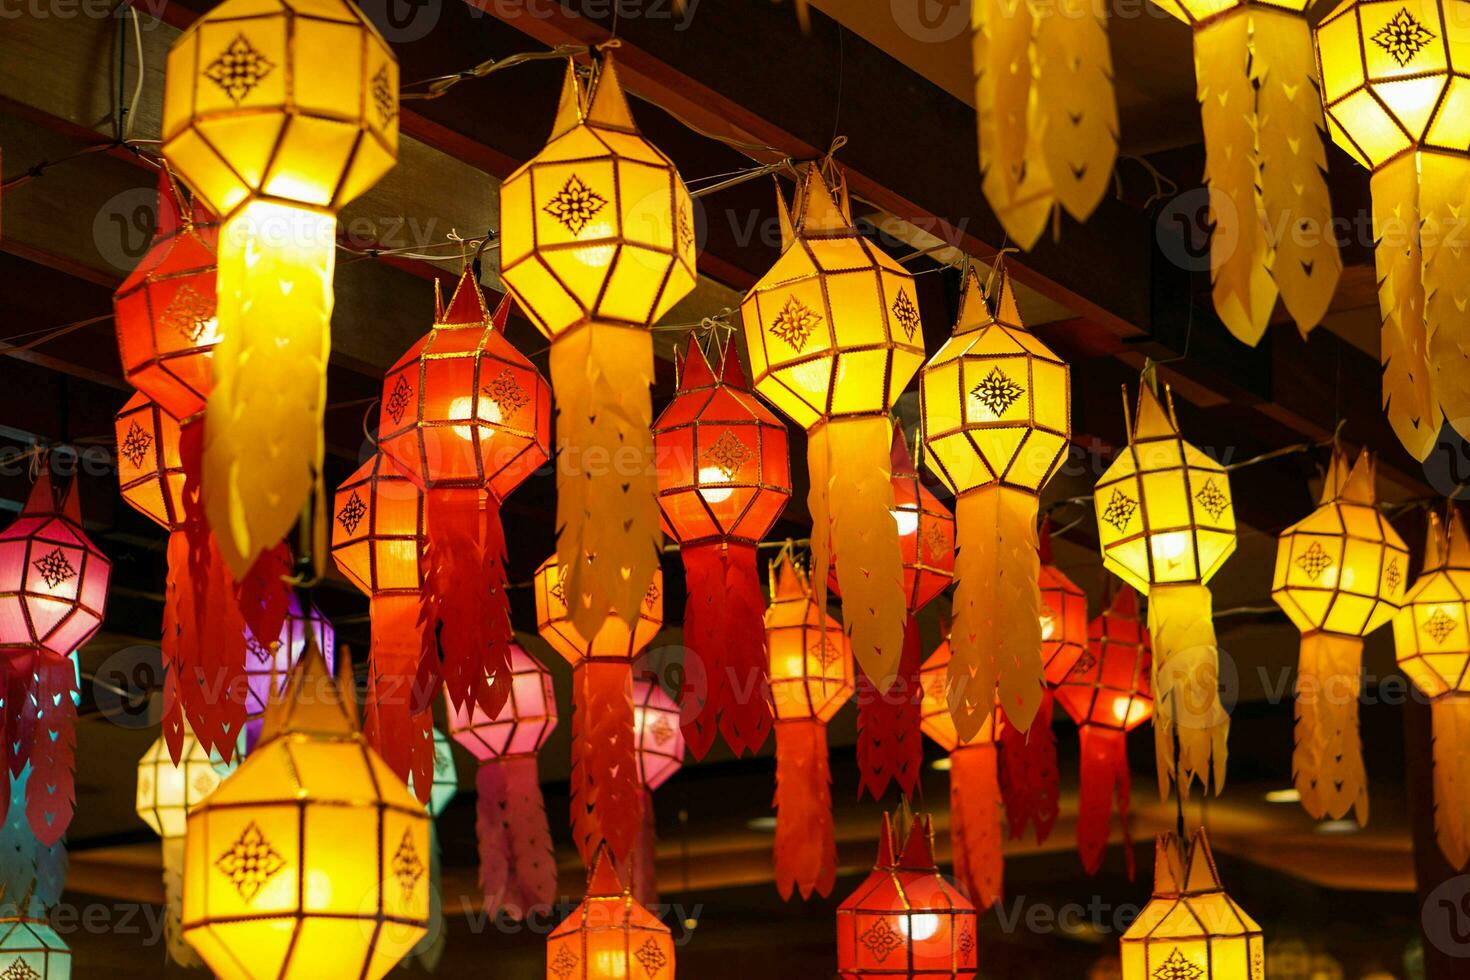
x,y
30,948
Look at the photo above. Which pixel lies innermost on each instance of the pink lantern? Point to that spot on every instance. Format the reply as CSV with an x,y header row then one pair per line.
x,y
267,664
660,744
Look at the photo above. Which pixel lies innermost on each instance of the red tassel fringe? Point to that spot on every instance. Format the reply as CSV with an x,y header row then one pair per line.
x,y
890,744
1104,773
607,793
806,846
1030,783
974,823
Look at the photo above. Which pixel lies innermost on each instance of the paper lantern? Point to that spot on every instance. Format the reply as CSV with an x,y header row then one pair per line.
x,y
905,920
468,418
446,778
312,859
268,664
30,949
517,861
610,936
1165,524
1108,694
1340,575
596,244
660,754
724,476
53,593
276,115
995,405
1191,928
811,671
834,336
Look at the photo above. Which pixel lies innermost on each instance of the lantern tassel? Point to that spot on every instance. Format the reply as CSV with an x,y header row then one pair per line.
x,y
51,791
1445,180
1075,108
1105,776
806,843
1186,688
1450,717
1021,196
644,871
533,859
493,837
173,639
974,823
179,949
890,743
607,793
19,672
1328,761
402,736
1030,783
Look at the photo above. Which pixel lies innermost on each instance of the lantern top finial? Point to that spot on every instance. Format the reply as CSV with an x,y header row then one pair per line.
x,y
312,701
467,306
788,577
601,103
605,880
821,207
1154,417
975,308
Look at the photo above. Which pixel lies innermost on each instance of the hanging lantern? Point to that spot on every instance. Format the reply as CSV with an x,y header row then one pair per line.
x,y
660,754
1191,928
1340,575
446,778
311,859
610,936
30,949
276,117
53,592
905,920
1265,165
468,419
1108,694
974,787
517,861
724,476
811,674
1433,643
597,243
996,412
1165,524
268,664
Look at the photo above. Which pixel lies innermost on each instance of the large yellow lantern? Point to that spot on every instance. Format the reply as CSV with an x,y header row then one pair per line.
x,y
834,336
597,243
1165,524
995,407
276,113
1340,575
1395,79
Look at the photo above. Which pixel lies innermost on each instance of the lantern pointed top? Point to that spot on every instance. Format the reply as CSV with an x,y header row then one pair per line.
x,y
1168,865
569,109
604,880
817,207
918,853
1125,602
312,701
607,105
467,305
788,577
1337,471
1457,552
731,372
1358,485
783,213
886,846
974,311
1154,418
900,460
1006,310
693,367
1435,554
1202,876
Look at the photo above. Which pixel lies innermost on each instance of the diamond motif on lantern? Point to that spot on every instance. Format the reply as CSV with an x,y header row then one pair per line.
x,y
398,401
827,651
795,323
662,731
575,204
189,313
384,98
408,868
1120,510
906,313
135,445
238,69
54,568
1403,37
564,962
250,862
1176,967
1314,561
507,394
1212,500
652,957
728,454
19,970
881,939
997,392
1391,575
1439,625
352,513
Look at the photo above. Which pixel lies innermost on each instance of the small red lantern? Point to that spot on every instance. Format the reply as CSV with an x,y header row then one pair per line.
x,y
660,754
610,936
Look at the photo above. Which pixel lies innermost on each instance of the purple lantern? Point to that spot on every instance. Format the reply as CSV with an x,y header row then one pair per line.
x,y
267,662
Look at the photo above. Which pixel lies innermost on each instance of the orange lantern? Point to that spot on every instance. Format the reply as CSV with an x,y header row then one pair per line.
x,y
724,476
905,920
811,672
1108,694
660,754
468,418
610,936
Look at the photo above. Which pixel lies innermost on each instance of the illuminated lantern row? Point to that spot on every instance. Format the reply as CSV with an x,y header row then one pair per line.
x,y
276,116
995,404
660,754
468,418
1392,73
1340,575
1191,928
610,935
834,336
607,793
517,861
1433,644
53,594
905,919
811,674
1165,525
1270,215
724,476
268,664
1108,694
597,243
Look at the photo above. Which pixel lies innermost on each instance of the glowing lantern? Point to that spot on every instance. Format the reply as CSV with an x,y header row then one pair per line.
x,y
1340,575
268,664
517,862
996,413
53,592
30,949
312,859
597,243
724,476
446,778
1393,83
276,116
1108,694
1165,525
1433,643
834,336
468,418
1191,928
610,936
811,673
905,920
660,754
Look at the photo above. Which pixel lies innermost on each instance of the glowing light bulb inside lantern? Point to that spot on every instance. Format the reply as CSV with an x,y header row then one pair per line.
x,y
1120,709
1048,625
597,257
919,926
463,407
1169,548
714,495
907,520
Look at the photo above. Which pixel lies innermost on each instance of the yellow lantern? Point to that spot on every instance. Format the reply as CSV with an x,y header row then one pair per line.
x,y
1271,216
597,243
1433,643
1191,929
1165,524
312,860
1340,575
834,336
276,113
995,406
1395,77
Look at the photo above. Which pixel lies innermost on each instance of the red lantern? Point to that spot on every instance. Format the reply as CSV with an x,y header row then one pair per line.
x,y
610,936
1108,694
724,476
660,754
53,591
905,920
468,418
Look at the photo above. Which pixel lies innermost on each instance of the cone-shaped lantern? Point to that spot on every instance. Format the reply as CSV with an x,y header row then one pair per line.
x,y
610,936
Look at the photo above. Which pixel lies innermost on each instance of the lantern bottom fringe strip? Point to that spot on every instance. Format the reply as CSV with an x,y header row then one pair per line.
x,y
1186,672
890,743
1105,777
643,871
1327,764
204,646
1451,721
975,824
51,789
806,845
1030,783
402,736
517,862
607,791
18,668
179,949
